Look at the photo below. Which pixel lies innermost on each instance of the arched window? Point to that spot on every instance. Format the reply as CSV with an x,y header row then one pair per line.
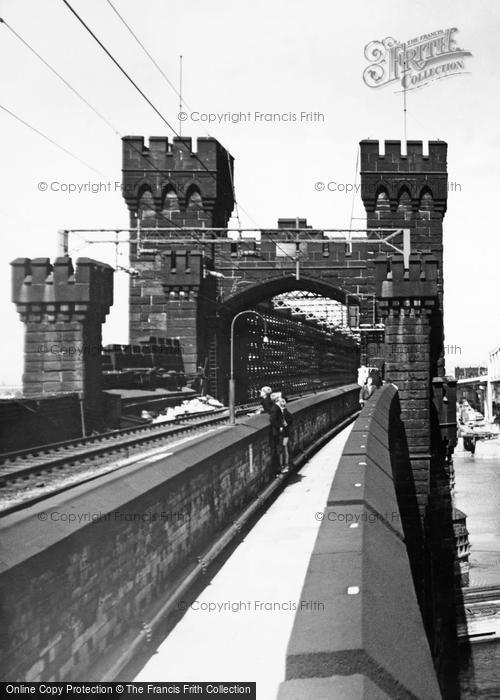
x,y
382,201
426,200
194,200
170,202
146,208
404,203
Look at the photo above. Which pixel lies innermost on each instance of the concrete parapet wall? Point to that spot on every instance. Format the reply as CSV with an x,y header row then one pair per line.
x,y
82,571
368,630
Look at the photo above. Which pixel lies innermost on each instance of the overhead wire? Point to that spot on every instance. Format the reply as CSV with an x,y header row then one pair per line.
x,y
53,70
234,264
91,107
120,68
50,140
177,92
155,63
156,110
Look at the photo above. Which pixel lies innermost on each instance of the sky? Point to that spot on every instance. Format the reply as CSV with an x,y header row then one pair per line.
x,y
245,56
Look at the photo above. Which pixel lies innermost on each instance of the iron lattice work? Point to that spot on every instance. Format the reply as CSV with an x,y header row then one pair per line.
x,y
297,358
328,313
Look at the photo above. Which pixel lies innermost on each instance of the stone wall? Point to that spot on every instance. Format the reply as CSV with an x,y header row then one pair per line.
x,y
81,572
367,638
37,421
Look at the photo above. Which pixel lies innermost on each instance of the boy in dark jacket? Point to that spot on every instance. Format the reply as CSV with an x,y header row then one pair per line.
x,y
281,420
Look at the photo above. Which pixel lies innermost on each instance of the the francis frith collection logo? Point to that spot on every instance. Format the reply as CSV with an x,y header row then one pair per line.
x,y
416,62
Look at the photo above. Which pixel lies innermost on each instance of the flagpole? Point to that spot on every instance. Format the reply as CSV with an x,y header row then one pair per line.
x,y
403,150
180,95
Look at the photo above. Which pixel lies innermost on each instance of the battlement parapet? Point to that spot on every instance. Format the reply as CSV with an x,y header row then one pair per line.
x,y
416,285
423,177
392,159
182,269
163,166
175,155
60,286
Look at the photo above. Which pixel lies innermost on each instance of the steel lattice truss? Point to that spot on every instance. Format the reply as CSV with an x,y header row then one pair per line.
x,y
328,313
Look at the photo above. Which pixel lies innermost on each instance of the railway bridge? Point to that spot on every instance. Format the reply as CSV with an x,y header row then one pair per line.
x,y
107,560
194,274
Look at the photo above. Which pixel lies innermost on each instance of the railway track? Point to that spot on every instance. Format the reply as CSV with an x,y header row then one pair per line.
x,y
60,466
34,474
34,459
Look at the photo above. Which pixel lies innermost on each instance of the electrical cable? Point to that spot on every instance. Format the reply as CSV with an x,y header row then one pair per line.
x,y
156,110
54,143
94,110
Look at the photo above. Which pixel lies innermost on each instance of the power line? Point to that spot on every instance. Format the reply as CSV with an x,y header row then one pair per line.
x,y
76,92
155,63
54,143
53,70
87,103
169,82
144,96
234,264
97,113
177,92
157,66
122,70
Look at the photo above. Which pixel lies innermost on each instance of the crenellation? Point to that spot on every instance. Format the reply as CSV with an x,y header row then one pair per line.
x,y
391,156
38,286
418,173
177,155
395,283
63,308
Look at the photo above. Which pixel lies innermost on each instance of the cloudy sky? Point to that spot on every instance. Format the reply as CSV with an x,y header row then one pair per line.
x,y
246,56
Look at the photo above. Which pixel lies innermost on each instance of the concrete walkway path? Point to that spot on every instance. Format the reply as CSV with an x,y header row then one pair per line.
x,y
477,493
238,628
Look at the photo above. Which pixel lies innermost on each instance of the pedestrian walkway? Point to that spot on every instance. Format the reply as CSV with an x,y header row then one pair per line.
x,y
477,493
238,628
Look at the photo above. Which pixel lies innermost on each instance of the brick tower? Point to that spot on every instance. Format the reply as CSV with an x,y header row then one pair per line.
x,y
63,309
410,191
408,305
167,185
406,191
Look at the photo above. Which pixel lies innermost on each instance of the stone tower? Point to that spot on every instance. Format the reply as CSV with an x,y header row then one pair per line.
x,y
63,308
410,191
167,185
407,191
